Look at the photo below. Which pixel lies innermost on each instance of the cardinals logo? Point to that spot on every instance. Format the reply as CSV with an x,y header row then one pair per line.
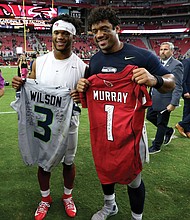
x,y
107,83
56,24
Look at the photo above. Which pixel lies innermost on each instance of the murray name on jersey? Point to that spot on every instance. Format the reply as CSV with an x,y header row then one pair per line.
x,y
111,96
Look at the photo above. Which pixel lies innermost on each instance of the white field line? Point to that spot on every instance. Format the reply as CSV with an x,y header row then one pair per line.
x,y
12,112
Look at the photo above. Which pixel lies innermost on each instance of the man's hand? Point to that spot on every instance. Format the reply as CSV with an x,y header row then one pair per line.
x,y
75,95
142,76
187,95
17,82
82,85
170,107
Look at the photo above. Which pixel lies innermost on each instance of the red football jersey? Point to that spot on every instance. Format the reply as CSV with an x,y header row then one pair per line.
x,y
116,107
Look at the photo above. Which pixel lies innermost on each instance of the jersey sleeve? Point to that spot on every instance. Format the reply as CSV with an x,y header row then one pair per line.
x,y
155,67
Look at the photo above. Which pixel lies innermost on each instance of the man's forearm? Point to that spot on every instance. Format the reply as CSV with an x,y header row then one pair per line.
x,y
169,83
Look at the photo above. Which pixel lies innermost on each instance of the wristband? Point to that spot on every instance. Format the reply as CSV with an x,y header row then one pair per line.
x,y
159,83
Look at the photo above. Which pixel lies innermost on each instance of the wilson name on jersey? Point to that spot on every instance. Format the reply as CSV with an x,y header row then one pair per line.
x,y
44,118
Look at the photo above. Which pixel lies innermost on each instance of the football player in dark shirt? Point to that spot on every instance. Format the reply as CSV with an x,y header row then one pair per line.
x,y
113,57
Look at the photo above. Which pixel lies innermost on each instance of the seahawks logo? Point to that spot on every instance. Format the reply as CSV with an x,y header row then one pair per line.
x,y
109,69
107,83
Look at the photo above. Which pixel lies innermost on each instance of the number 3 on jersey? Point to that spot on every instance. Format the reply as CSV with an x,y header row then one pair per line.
x,y
110,110
44,124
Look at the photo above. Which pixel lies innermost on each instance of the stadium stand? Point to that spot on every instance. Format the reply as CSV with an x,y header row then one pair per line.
x,y
135,16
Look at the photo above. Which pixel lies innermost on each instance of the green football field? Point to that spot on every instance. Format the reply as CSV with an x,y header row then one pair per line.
x,y
166,177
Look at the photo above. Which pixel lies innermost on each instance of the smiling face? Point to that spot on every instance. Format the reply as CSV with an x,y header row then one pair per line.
x,y
106,36
62,41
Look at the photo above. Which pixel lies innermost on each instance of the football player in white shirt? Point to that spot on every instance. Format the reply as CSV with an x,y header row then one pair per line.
x,y
61,67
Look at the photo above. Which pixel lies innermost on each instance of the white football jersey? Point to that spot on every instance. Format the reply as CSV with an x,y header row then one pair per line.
x,y
44,118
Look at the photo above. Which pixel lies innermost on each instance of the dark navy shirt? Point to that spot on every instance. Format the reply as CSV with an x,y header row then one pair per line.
x,y
129,54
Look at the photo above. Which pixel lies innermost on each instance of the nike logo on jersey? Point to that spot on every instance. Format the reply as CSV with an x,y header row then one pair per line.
x,y
129,58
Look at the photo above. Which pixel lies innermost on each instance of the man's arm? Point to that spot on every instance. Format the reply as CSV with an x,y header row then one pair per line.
x,y
186,77
1,91
169,83
177,92
33,73
17,81
163,84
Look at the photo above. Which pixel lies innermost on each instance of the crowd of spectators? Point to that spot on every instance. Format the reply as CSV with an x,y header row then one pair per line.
x,y
84,45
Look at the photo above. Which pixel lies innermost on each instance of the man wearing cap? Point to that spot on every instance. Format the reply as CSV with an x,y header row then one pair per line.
x,y
60,67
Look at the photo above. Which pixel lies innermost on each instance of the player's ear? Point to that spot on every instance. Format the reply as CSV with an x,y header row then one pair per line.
x,y
117,28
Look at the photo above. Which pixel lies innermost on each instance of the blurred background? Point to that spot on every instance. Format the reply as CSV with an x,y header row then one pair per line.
x,y
25,26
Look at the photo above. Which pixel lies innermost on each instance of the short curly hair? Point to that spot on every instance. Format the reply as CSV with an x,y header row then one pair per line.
x,y
65,17
103,13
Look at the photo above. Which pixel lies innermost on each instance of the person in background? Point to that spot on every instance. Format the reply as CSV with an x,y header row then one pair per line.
x,y
23,65
2,82
61,67
18,65
163,104
32,58
19,73
115,57
37,54
183,126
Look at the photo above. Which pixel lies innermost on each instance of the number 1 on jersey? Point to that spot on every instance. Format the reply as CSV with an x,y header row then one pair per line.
x,y
109,109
